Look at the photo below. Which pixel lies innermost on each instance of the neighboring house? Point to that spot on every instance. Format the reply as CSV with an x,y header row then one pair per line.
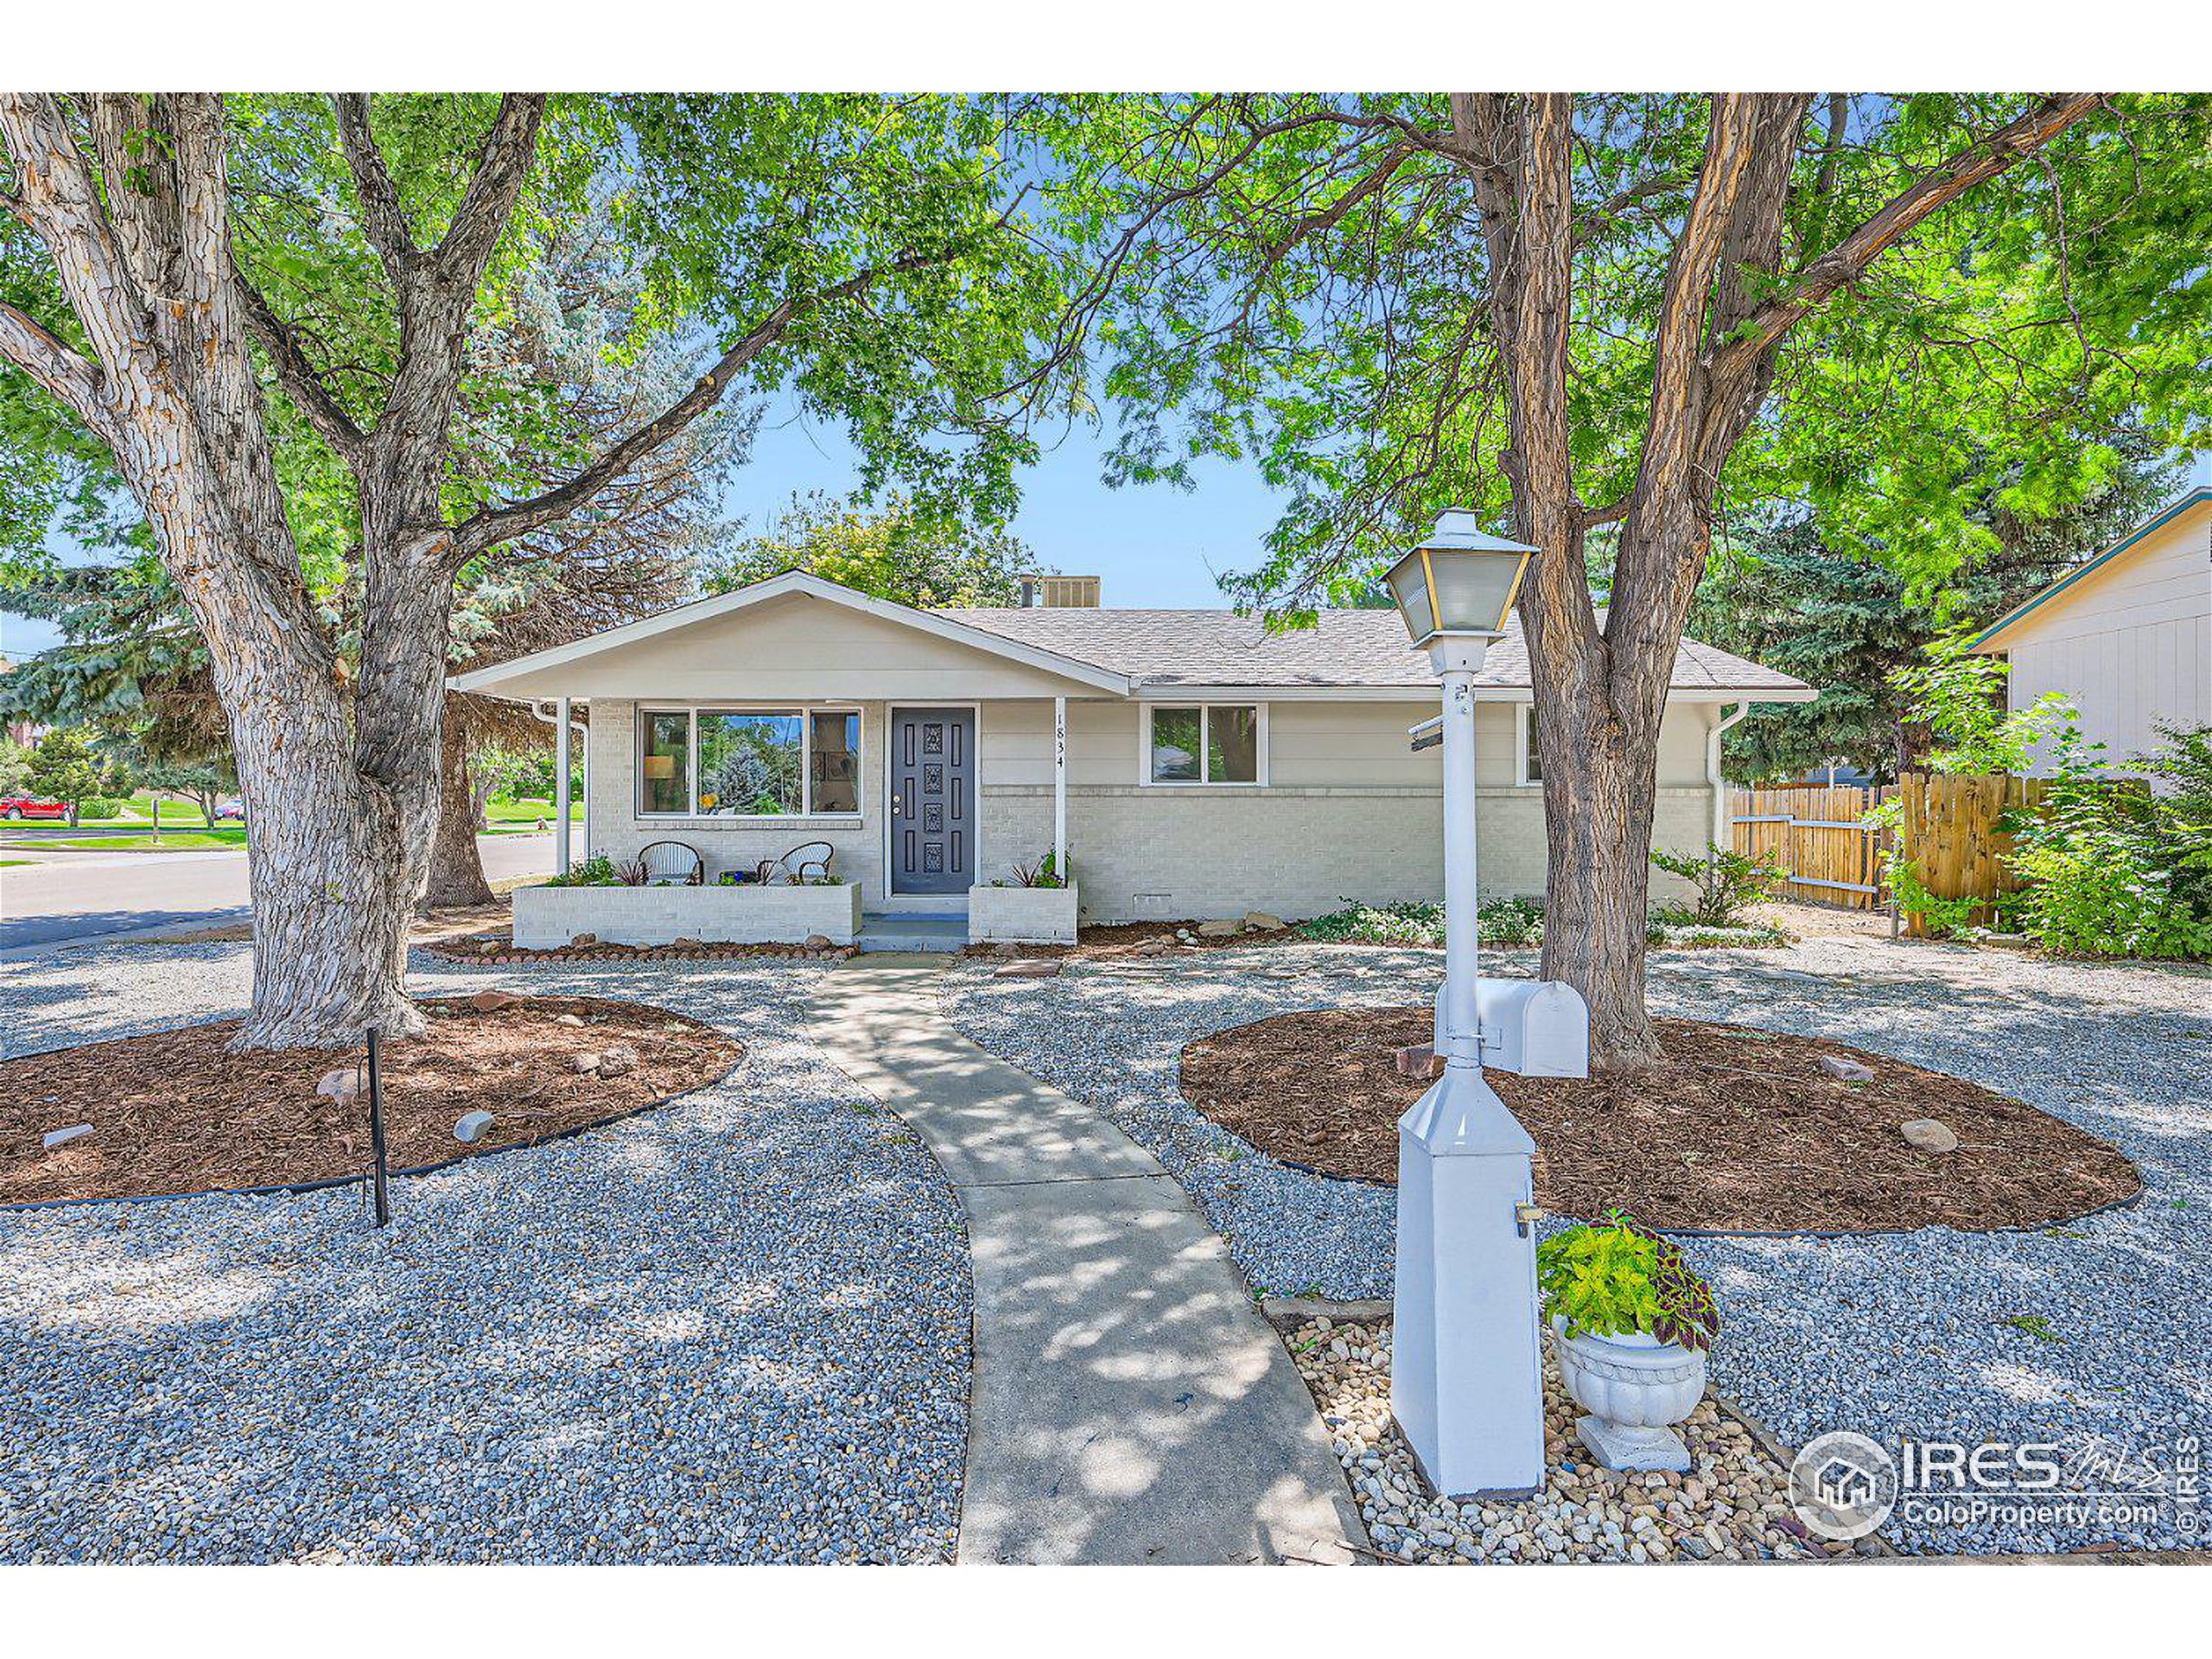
x,y
2127,635
1202,766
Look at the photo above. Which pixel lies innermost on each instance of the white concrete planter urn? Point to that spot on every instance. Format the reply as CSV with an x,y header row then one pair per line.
x,y
1630,1321
1634,1389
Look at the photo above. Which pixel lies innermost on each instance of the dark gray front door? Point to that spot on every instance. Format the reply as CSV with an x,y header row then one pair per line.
x,y
932,800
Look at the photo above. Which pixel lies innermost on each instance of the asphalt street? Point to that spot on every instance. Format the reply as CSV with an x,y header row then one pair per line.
x,y
54,898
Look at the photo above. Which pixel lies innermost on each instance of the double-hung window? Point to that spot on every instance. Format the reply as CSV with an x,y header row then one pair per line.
x,y
1206,743
1528,765
748,763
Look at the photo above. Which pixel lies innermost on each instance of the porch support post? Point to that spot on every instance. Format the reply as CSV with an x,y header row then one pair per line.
x,y
1060,786
561,787
586,833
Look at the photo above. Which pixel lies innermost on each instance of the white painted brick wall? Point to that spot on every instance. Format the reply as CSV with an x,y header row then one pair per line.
x,y
1148,853
548,916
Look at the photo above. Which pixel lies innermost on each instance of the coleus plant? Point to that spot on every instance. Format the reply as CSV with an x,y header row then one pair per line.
x,y
1607,1279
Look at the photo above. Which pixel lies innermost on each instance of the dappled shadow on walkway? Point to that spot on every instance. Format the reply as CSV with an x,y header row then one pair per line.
x,y
1129,1403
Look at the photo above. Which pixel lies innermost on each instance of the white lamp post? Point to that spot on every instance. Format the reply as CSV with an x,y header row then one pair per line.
x,y
1466,1378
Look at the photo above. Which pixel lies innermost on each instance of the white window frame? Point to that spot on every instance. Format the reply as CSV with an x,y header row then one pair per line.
x,y
1145,710
803,712
1524,716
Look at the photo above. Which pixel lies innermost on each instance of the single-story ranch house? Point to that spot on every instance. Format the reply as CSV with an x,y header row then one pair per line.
x,y
1187,763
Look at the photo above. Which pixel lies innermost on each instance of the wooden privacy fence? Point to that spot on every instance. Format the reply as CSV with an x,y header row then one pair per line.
x,y
1947,828
1815,835
1950,830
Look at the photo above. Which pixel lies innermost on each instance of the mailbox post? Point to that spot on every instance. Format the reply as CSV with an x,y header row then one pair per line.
x,y
1466,1377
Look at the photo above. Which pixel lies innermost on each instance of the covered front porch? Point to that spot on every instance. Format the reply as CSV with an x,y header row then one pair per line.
x,y
759,821
874,737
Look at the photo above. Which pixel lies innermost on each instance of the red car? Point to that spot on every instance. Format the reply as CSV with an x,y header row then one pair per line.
x,y
14,808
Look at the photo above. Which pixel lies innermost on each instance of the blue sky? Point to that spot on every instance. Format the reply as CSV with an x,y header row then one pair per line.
x,y
1153,545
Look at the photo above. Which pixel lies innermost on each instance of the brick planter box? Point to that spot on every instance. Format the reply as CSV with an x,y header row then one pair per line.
x,y
546,917
1021,915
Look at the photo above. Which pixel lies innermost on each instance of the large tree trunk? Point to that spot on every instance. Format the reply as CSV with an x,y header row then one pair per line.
x,y
172,388
456,868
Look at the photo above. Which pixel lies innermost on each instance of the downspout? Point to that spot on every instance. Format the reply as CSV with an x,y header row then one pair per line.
x,y
1723,831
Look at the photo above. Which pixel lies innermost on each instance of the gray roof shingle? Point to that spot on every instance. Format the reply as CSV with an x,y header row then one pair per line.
x,y
1344,648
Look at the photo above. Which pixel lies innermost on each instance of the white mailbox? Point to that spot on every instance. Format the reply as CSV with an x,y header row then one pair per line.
x,y
1538,1027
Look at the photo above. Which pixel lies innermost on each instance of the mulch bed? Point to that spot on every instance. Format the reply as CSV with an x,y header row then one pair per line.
x,y
175,1112
1738,1131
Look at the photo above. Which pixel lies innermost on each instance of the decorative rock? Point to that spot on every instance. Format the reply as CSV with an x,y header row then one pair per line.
x,y
63,1137
1846,1071
567,1020
618,1060
472,1128
582,941
1259,921
1420,1060
584,1064
491,1001
690,944
1930,1135
485,947
819,942
340,1085
1028,968
1220,930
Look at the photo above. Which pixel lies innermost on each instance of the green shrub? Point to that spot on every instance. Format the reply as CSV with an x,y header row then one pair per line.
x,y
98,807
2114,869
597,871
1727,882
1608,1278
1504,923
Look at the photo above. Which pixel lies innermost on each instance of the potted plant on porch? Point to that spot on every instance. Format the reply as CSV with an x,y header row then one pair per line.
x,y
1630,1322
1037,907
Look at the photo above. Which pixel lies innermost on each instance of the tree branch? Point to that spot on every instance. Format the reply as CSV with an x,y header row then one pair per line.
x,y
39,353
1847,261
502,167
297,376
495,525
384,221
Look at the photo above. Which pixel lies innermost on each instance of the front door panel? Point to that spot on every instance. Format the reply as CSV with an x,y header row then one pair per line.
x,y
932,800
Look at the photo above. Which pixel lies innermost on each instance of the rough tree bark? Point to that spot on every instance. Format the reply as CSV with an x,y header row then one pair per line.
x,y
1601,686
456,873
141,237
342,783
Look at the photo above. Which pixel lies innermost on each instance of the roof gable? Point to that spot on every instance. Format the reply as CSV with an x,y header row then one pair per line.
x,y
2130,546
522,675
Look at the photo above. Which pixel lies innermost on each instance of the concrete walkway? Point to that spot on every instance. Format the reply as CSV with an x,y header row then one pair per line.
x,y
1128,1402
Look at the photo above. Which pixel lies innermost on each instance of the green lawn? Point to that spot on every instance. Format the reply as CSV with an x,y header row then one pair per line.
x,y
527,813
190,841
11,863
181,813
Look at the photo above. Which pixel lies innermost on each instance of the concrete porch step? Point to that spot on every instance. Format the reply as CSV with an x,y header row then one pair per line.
x,y
887,930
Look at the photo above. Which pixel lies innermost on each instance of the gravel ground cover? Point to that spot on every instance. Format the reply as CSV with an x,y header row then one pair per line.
x,y
2098,1332
1732,1505
732,1329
